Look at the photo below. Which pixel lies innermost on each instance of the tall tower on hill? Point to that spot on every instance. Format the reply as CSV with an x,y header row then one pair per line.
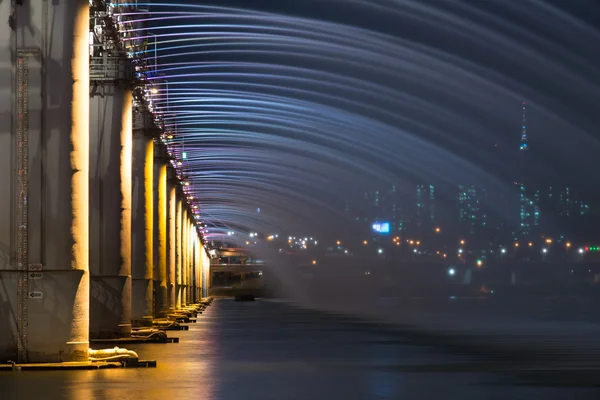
x,y
529,196
524,146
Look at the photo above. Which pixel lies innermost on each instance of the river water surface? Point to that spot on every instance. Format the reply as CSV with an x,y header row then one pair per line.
x,y
268,350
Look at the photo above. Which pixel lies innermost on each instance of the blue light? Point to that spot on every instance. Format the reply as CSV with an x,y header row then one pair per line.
x,y
383,227
184,155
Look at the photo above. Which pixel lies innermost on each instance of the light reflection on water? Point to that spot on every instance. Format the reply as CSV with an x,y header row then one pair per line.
x,y
266,350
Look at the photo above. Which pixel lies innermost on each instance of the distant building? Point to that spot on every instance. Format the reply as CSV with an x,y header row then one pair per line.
x,y
529,209
471,205
424,206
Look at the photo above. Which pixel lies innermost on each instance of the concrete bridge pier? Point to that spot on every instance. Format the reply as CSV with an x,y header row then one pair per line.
x,y
44,160
185,257
200,271
191,246
161,305
191,241
195,269
110,211
142,222
205,272
206,280
178,252
171,240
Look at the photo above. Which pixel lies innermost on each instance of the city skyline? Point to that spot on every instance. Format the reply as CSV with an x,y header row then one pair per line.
x,y
526,208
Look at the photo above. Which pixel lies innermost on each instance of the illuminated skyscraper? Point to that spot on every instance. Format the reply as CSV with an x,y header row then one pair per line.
x,y
425,211
529,213
529,198
524,143
471,207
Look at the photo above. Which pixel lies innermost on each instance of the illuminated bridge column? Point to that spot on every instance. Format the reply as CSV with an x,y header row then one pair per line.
x,y
197,265
199,250
194,267
190,241
161,305
178,253
199,274
192,274
44,160
207,276
205,272
185,258
191,285
142,226
171,239
110,211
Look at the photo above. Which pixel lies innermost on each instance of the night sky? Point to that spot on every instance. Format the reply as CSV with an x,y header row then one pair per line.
x,y
426,91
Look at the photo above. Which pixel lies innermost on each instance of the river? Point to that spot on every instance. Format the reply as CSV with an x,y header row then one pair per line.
x,y
268,350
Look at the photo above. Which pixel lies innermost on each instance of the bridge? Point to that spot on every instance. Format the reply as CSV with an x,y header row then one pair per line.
x,y
99,233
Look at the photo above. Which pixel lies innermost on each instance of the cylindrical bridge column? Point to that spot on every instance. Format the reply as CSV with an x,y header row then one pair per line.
x,y
110,211
160,232
171,240
142,228
44,166
198,266
185,258
178,252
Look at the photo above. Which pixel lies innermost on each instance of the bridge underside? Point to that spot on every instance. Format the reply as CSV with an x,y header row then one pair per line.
x,y
97,234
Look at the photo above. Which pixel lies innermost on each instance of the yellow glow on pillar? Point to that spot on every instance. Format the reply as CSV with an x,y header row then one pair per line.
x,y
172,247
126,168
79,158
162,225
149,208
80,138
178,220
184,252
